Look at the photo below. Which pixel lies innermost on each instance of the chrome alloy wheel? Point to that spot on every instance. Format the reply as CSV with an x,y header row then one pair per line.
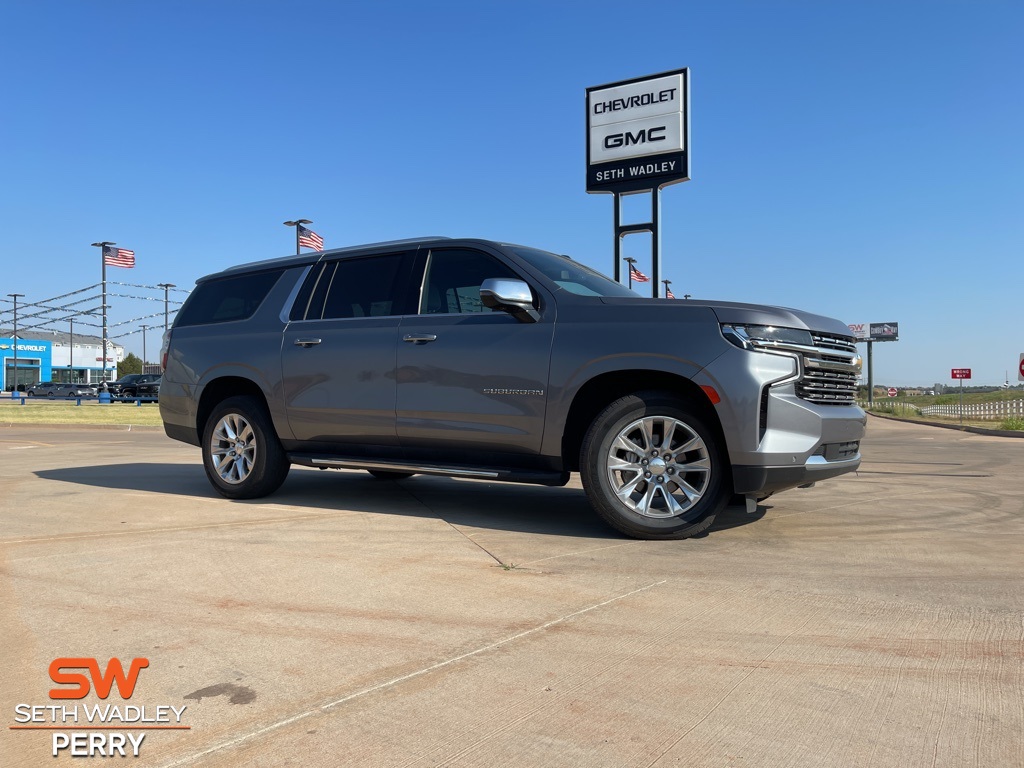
x,y
233,448
659,467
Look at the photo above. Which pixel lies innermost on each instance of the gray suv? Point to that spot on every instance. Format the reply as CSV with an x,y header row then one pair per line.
x,y
477,359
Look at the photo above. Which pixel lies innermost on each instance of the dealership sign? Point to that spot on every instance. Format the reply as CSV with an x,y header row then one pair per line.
x,y
875,331
638,133
884,332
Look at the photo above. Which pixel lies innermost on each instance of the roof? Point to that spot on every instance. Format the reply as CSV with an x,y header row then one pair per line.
x,y
57,337
311,257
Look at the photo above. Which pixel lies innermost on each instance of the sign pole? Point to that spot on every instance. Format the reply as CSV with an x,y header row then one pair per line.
x,y
871,377
638,140
961,402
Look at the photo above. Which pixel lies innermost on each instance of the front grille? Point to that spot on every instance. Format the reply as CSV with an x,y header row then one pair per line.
x,y
829,371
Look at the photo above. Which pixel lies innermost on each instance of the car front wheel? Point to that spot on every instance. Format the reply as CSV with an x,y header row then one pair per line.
x,y
241,452
652,468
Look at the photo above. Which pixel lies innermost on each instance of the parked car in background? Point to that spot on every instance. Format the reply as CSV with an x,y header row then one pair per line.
x,y
127,386
148,388
54,389
42,389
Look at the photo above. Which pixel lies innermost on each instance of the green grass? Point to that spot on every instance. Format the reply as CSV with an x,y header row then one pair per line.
x,y
1013,423
45,412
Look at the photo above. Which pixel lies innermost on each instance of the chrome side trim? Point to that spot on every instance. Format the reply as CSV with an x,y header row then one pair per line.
x,y
286,310
391,466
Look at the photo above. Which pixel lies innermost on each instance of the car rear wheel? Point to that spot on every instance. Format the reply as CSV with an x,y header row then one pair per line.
x,y
241,452
652,468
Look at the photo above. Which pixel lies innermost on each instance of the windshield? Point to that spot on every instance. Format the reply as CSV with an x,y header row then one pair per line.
x,y
571,275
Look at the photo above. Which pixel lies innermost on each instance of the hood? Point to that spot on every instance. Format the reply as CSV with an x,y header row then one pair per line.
x,y
736,313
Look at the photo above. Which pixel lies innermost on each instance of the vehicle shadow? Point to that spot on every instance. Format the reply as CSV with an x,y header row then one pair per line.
x,y
498,506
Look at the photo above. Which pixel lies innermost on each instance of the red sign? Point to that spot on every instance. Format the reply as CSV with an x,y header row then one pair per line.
x,y
892,392
960,373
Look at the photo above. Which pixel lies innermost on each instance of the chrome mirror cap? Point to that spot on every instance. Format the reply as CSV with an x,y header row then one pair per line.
x,y
508,295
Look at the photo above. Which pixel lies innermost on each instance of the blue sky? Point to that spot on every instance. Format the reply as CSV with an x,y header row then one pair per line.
x,y
860,160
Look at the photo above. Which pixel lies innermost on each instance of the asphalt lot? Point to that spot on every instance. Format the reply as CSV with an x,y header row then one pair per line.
x,y
875,620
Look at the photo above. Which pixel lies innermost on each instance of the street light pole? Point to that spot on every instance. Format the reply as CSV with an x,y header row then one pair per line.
x,y
71,352
631,261
167,287
144,329
296,224
103,280
14,390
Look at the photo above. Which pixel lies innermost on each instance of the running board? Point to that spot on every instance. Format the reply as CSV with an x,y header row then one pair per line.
x,y
473,473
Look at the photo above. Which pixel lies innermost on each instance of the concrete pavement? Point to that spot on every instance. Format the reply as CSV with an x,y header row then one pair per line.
x,y
874,620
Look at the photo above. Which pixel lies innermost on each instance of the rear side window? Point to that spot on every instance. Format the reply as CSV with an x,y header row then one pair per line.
x,y
227,299
363,287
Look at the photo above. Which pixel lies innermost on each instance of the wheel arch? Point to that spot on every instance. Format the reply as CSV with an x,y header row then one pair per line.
x,y
219,389
605,388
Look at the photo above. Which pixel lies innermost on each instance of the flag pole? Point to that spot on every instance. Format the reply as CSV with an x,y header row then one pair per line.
x,y
103,281
297,223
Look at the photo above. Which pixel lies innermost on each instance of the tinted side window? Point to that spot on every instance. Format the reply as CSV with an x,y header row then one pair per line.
x,y
227,299
362,287
453,279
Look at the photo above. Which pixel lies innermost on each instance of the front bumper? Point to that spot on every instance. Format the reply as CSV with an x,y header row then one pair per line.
x,y
761,481
776,439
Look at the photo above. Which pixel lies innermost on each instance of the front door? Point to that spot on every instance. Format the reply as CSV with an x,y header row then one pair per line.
x,y
470,379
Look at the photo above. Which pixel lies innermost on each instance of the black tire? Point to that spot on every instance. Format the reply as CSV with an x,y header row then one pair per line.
x,y
649,508
30,394
253,466
388,474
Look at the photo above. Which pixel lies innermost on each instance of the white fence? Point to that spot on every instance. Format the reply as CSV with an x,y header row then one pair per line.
x,y
995,411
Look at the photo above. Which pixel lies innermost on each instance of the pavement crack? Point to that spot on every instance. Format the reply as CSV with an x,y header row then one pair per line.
x,y
470,539
410,676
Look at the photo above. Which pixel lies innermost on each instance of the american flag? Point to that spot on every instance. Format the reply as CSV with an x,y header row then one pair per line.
x,y
118,257
668,293
310,239
637,276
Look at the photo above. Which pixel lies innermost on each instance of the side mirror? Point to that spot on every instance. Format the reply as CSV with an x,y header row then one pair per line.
x,y
512,296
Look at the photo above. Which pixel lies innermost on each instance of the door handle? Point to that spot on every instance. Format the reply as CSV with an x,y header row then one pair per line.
x,y
307,343
419,338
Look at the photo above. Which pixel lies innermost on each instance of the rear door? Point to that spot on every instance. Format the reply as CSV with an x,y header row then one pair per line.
x,y
470,379
338,351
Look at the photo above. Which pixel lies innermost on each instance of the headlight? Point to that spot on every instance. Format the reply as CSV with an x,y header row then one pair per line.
x,y
766,337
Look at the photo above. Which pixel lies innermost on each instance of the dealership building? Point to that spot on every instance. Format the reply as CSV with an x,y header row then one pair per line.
x,y
56,356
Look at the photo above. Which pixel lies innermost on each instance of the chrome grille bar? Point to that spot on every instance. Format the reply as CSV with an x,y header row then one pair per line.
x,y
829,373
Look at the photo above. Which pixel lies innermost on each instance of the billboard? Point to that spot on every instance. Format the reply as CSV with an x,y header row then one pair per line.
x,y
884,332
638,133
875,331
